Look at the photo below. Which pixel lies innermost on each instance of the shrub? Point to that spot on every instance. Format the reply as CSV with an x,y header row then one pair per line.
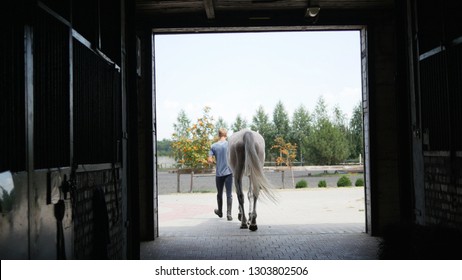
x,y
359,182
301,184
322,184
344,181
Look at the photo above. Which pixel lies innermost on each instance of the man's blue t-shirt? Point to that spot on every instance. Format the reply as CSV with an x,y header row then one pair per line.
x,y
220,151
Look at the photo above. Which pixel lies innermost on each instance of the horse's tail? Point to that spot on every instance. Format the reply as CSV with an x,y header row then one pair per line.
x,y
254,168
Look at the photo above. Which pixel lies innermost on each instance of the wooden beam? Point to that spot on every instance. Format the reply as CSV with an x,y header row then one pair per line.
x,y
209,9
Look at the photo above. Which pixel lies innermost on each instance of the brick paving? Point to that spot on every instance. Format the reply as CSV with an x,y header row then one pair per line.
x,y
308,224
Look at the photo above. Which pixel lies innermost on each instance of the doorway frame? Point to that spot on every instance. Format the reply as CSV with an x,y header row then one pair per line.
x,y
150,216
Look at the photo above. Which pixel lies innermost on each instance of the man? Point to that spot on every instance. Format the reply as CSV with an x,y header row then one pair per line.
x,y
224,176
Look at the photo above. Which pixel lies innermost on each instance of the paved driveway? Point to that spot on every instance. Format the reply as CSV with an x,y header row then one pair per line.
x,y
307,224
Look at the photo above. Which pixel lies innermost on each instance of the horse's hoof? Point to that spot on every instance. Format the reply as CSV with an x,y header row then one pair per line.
x,y
243,226
253,227
239,216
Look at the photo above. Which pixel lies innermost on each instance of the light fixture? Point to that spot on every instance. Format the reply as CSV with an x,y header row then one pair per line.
x,y
312,12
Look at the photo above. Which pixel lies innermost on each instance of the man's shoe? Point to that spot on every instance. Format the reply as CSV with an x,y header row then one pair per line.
x,y
229,218
219,214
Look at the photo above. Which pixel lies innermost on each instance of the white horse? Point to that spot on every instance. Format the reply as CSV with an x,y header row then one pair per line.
x,y
246,150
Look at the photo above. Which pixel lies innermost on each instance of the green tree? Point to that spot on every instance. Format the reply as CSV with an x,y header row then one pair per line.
x,y
340,120
164,147
301,128
356,132
7,200
320,111
287,154
239,123
322,143
280,121
191,151
182,125
261,124
327,141
221,124
341,124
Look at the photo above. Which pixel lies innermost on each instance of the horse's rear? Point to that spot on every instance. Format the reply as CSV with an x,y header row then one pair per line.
x,y
246,157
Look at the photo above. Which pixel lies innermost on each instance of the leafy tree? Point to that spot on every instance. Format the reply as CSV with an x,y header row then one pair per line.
x,y
182,125
261,124
339,119
327,142
319,149
239,123
301,128
7,200
340,122
164,147
192,150
341,147
280,121
320,111
320,137
287,154
356,132
221,124
324,147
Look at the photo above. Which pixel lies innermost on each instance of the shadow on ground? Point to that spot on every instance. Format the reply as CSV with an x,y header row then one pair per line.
x,y
278,242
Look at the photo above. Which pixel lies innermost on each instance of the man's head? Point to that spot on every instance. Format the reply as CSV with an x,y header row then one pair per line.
x,y
222,132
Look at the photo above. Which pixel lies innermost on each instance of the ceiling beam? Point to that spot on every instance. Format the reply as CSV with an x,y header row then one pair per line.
x,y
209,9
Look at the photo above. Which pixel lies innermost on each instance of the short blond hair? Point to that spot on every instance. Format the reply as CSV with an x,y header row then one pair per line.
x,y
222,132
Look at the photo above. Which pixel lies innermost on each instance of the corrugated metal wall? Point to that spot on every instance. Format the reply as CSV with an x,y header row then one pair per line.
x,y
435,102
97,136
97,108
51,93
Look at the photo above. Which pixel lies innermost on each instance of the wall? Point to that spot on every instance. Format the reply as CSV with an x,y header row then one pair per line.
x,y
146,136
30,228
64,100
440,84
443,190
383,126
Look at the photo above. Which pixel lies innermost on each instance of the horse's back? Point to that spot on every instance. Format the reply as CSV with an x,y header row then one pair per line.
x,y
237,142
237,138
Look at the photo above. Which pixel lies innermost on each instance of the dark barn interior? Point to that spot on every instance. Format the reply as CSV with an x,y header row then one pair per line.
x,y
78,119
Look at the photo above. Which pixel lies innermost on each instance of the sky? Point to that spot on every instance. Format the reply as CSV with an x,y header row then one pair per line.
x,y
236,73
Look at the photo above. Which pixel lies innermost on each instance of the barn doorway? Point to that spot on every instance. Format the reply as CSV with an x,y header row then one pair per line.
x,y
188,203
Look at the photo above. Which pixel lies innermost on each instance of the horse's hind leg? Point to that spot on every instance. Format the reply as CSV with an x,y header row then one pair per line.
x,y
253,212
240,197
237,160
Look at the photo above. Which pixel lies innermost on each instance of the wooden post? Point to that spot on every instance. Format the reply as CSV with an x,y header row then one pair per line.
x,y
282,175
192,179
292,173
